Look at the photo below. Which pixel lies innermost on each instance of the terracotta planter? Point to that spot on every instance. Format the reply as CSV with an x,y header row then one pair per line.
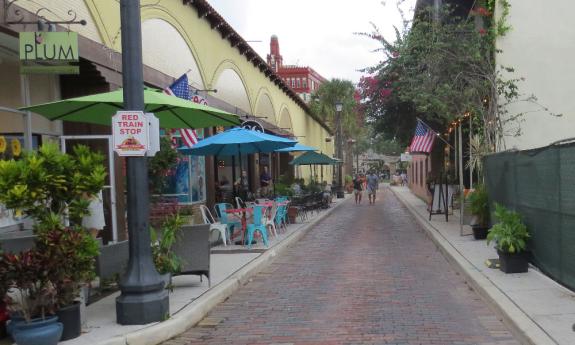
x,y
292,214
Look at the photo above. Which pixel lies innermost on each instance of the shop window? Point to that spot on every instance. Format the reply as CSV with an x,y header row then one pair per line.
x,y
187,181
305,83
293,82
298,83
416,182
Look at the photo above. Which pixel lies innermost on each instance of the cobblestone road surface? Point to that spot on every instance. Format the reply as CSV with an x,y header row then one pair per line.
x,y
364,275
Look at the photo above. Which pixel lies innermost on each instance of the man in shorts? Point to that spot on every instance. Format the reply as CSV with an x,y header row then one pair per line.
x,y
357,188
372,186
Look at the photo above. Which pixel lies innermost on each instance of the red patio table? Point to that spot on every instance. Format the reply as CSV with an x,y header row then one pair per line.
x,y
243,211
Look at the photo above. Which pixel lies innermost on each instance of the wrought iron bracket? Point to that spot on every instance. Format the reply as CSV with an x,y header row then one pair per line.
x,y
11,8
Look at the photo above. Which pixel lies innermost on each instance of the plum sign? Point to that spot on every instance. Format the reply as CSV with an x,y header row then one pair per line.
x,y
130,132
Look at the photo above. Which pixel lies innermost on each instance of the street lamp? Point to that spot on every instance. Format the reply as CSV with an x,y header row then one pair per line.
x,y
143,299
338,148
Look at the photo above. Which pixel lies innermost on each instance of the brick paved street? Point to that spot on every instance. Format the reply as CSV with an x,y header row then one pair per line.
x,y
365,275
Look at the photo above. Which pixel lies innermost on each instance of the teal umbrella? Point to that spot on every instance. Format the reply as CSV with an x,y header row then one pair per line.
x,y
237,141
313,158
173,112
297,148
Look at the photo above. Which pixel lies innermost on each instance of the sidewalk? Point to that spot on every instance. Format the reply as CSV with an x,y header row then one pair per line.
x,y
230,268
536,308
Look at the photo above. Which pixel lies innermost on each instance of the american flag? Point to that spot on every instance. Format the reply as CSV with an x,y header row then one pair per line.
x,y
180,89
423,139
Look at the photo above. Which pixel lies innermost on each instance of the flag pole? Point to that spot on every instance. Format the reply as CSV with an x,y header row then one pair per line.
x,y
436,134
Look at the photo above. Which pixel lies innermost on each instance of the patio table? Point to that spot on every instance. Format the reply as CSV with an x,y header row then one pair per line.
x,y
243,212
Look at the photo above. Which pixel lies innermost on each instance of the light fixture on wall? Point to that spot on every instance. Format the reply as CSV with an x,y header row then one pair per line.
x,y
206,90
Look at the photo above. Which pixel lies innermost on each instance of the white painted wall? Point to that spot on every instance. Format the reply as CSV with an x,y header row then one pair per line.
x,y
541,48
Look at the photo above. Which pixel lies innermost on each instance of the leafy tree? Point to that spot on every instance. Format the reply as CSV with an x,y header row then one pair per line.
x,y
441,69
388,147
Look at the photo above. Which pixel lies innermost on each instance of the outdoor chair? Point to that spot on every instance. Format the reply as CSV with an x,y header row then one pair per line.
x,y
271,220
257,225
298,204
17,241
193,249
214,225
280,217
112,260
230,222
240,203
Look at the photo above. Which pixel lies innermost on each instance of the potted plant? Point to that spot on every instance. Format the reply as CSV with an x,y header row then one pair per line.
x,y
70,256
479,207
30,298
187,215
166,261
54,189
510,236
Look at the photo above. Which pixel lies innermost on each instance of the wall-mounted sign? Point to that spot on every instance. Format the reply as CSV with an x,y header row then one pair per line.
x,y
153,134
49,52
199,99
252,125
405,157
130,133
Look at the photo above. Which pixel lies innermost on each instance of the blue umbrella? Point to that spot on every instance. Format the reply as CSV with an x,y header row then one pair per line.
x,y
297,147
238,141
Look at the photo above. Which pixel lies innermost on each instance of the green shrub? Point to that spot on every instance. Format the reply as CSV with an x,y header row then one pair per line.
x,y
479,204
510,233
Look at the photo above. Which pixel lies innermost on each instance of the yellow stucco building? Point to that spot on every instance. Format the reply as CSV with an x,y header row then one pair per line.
x,y
179,37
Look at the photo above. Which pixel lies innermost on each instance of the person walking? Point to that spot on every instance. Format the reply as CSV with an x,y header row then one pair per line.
x,y
403,176
357,188
372,186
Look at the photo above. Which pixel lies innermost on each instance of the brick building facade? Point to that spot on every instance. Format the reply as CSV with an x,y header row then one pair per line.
x,y
303,80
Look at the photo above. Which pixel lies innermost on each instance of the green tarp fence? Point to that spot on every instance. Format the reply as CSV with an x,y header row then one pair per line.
x,y
540,185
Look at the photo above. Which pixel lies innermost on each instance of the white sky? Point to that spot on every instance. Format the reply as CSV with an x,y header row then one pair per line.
x,y
316,33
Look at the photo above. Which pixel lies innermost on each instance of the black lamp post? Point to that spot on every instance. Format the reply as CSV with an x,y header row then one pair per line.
x,y
144,298
338,148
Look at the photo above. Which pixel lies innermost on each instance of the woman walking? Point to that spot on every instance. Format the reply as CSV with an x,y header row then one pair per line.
x,y
357,188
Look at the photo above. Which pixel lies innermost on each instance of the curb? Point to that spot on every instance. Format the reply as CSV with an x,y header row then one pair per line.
x,y
194,312
520,324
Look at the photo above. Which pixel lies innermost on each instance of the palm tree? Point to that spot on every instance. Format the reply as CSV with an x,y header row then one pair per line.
x,y
323,105
324,100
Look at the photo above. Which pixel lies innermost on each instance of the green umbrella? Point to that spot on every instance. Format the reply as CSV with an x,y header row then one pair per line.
x,y
172,111
313,158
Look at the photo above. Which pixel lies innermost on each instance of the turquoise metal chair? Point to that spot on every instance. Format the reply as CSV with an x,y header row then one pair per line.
x,y
281,199
281,214
230,223
257,225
